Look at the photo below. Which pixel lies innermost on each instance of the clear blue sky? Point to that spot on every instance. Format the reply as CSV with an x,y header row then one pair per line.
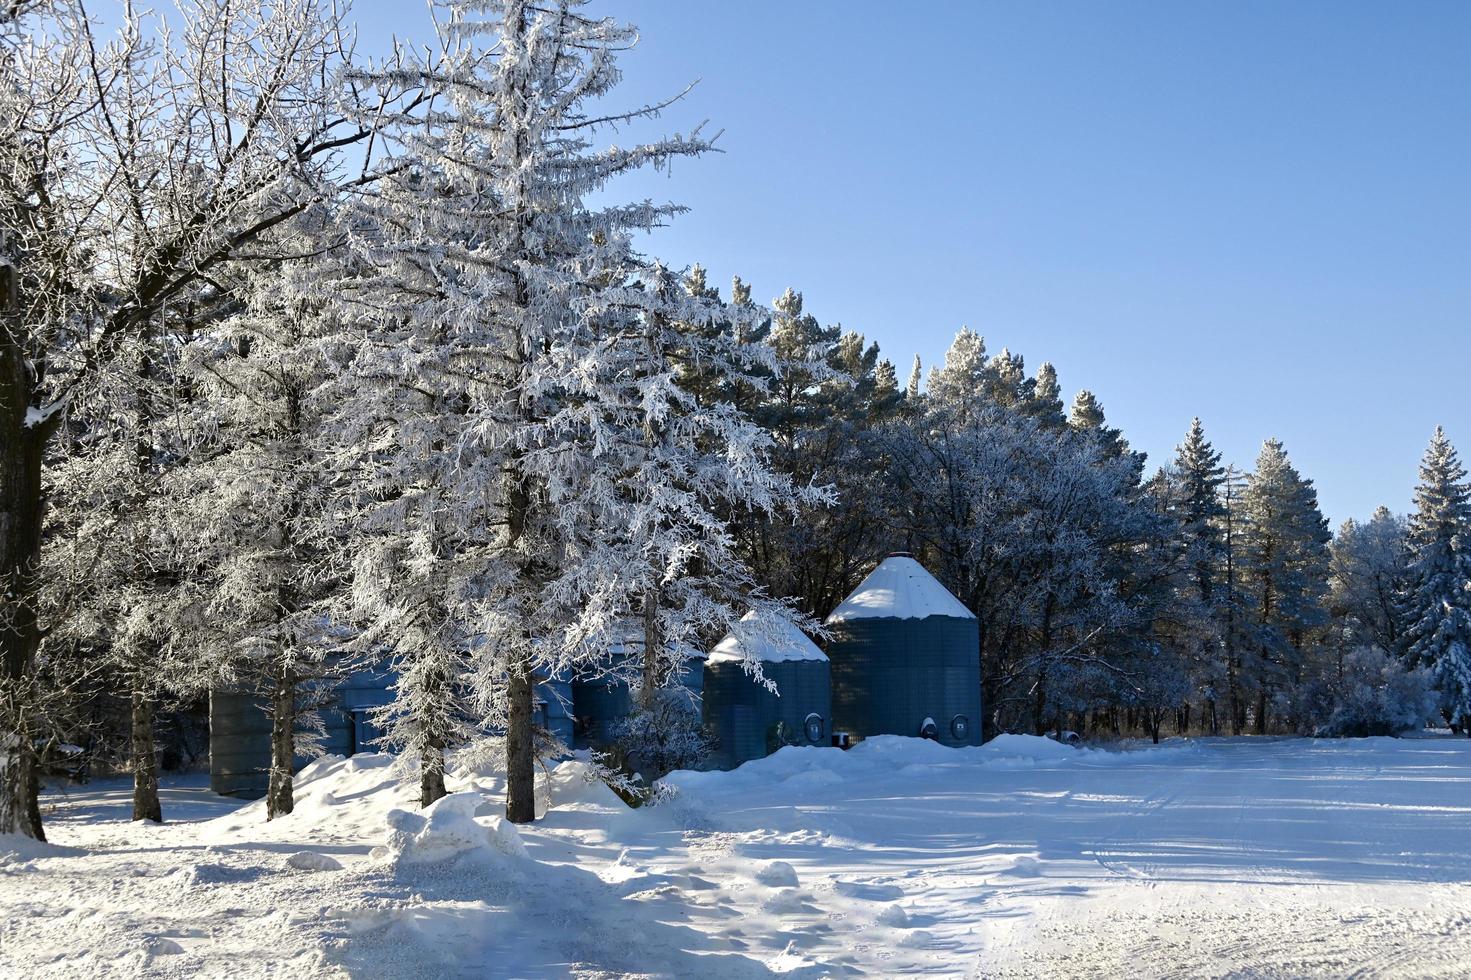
x,y
1254,212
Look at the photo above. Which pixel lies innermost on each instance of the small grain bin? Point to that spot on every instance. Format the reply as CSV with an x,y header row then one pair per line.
x,y
905,658
752,721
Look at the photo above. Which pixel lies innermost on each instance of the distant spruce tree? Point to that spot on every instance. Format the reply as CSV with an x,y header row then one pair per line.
x,y
1201,476
916,375
1046,401
1199,479
1437,601
1368,576
1285,569
1086,415
964,373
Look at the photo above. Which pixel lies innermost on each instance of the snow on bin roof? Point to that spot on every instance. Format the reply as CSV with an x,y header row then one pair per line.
x,y
787,643
899,588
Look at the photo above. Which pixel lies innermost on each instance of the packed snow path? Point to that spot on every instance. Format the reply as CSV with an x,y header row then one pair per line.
x,y
1023,858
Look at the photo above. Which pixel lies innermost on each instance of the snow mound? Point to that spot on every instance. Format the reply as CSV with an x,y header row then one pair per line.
x,y
349,796
791,960
1024,866
1031,751
18,849
893,915
788,901
899,588
778,874
313,861
575,785
366,760
903,750
448,829
764,640
1030,747
161,946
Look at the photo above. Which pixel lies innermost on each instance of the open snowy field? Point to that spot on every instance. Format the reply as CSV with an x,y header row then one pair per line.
x,y
1250,857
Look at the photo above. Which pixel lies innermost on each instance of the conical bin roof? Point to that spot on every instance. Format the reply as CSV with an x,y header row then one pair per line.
x,y
899,588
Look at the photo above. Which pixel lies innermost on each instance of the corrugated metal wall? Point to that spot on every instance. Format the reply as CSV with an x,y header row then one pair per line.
x,y
600,703
240,728
239,744
554,709
889,675
744,715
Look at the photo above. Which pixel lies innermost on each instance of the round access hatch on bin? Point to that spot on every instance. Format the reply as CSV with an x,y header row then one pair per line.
x,y
815,728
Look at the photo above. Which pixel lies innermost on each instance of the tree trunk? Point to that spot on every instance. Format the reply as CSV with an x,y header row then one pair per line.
x,y
1261,712
650,678
21,512
279,795
520,755
146,805
20,784
1039,705
1234,701
431,772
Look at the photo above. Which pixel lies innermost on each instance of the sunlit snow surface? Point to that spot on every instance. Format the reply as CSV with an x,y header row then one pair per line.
x,y
1248,857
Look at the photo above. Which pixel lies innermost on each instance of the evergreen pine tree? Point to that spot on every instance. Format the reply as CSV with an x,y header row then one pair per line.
x,y
1199,470
961,380
1368,577
478,434
1437,602
1009,385
1045,404
1285,569
885,378
1199,478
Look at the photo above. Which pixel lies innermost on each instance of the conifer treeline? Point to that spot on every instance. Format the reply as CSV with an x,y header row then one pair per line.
x,y
1199,598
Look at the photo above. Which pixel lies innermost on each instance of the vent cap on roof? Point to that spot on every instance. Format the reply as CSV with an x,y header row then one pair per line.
x,y
899,588
779,642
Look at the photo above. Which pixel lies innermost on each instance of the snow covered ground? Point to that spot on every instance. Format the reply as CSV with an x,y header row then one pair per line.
x,y
1249,857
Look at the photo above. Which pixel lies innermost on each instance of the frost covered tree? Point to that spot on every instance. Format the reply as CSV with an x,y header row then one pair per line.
x,y
118,554
659,468
956,383
537,478
1285,569
1026,523
916,376
820,408
1437,599
1199,479
1086,415
263,486
135,172
1368,572
1200,475
1045,403
1235,603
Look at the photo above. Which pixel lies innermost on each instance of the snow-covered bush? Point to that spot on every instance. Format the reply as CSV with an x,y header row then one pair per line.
x,y
666,735
1375,695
